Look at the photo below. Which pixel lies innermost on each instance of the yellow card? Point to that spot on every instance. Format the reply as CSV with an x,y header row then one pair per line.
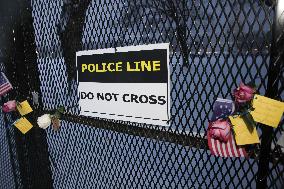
x,y
243,135
267,110
23,125
24,108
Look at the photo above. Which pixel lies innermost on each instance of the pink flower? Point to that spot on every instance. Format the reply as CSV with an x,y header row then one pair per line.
x,y
9,106
220,130
244,93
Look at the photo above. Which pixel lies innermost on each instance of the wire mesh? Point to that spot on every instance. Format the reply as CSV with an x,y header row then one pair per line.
x,y
214,45
6,169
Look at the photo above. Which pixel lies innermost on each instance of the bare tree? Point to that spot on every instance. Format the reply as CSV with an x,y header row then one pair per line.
x,y
70,30
173,14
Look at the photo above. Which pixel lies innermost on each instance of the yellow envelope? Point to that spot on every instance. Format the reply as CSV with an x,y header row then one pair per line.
x,y
267,110
23,125
243,135
24,108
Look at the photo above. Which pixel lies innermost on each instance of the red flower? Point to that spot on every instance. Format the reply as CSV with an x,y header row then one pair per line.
x,y
244,93
220,130
9,106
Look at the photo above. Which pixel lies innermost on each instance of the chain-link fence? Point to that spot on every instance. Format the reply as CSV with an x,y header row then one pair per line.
x,y
214,45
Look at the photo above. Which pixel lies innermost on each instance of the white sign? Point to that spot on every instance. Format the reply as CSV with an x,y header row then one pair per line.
x,y
127,83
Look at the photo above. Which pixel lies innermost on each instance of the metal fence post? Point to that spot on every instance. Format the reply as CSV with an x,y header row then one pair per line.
x,y
274,74
21,67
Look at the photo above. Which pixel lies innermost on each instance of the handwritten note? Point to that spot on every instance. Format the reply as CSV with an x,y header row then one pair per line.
x,y
243,134
24,108
23,125
267,111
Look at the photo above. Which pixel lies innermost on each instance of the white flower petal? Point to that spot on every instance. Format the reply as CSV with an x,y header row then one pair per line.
x,y
44,121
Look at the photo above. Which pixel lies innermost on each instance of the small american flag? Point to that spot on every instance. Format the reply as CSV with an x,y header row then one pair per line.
x,y
228,149
5,85
222,109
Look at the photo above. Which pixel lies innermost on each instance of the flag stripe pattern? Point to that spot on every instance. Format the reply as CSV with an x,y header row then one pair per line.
x,y
5,85
228,149
224,108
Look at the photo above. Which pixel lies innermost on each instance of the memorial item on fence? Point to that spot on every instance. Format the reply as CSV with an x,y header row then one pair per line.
x,y
243,94
23,125
9,106
220,138
46,120
55,123
24,108
241,116
222,108
5,85
220,130
267,111
243,97
35,96
225,149
244,133
55,118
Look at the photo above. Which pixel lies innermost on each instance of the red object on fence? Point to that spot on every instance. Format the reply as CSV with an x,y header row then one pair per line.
x,y
225,149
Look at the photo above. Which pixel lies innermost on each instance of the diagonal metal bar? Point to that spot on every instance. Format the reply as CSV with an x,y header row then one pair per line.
x,y
274,74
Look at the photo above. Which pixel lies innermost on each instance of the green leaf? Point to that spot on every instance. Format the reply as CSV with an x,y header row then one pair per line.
x,y
61,109
233,132
18,104
252,84
57,115
248,119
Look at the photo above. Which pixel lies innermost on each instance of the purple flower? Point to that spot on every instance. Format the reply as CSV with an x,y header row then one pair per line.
x,y
9,106
220,130
243,93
